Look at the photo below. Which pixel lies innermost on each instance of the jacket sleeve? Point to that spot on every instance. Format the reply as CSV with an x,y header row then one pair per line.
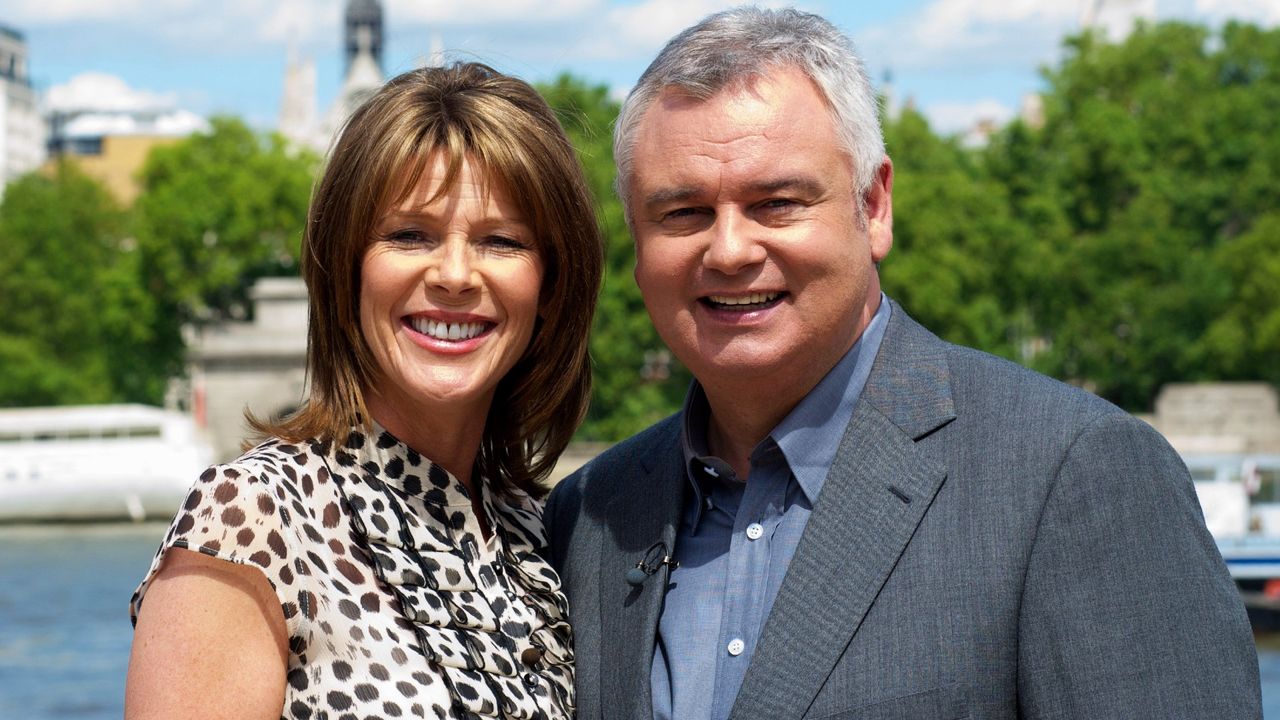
x,y
1127,608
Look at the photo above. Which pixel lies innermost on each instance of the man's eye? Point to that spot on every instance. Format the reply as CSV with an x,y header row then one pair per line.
x,y
681,213
777,204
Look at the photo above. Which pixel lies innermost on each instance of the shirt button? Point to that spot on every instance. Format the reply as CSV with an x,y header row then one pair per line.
x,y
755,531
736,647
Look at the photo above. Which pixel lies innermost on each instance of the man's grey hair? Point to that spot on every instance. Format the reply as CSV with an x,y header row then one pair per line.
x,y
731,48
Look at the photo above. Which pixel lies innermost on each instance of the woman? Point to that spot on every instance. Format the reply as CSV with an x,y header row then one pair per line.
x,y
376,557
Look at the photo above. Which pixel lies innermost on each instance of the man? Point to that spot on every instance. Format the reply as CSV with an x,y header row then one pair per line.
x,y
850,517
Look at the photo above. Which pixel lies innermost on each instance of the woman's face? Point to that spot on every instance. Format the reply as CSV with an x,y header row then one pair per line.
x,y
448,298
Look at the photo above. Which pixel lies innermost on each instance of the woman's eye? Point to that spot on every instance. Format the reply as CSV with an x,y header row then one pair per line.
x,y
504,243
406,236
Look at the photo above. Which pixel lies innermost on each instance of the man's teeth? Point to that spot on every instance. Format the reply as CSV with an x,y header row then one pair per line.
x,y
752,299
447,331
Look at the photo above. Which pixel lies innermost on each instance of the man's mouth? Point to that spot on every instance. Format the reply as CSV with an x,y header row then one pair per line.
x,y
743,303
449,331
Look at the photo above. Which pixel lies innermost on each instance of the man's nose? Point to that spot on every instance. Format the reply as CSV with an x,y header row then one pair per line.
x,y
733,243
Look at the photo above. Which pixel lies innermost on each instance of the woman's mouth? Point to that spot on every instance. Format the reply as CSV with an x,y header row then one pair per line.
x,y
449,331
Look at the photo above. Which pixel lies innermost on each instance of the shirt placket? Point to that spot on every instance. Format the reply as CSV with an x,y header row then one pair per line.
x,y
747,578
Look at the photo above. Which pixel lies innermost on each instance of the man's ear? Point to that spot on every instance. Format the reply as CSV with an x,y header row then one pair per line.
x,y
878,201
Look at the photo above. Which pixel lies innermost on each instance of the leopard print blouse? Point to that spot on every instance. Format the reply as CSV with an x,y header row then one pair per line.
x,y
395,604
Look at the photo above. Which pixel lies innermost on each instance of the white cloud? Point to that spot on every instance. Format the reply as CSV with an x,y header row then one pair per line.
x,y
973,34
296,21
650,24
229,25
100,104
473,12
640,29
21,13
1265,12
1117,19
980,34
101,92
954,117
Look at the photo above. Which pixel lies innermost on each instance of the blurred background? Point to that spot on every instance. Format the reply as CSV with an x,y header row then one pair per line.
x,y
1088,187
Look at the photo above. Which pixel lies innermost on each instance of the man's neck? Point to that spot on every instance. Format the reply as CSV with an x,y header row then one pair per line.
x,y
738,422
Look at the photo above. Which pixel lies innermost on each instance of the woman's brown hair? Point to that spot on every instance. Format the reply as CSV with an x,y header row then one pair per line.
x,y
465,111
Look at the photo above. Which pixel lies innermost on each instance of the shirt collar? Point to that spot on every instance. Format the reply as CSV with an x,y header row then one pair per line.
x,y
808,436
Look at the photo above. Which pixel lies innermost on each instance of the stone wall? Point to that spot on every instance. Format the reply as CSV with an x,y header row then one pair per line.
x,y
1219,418
259,366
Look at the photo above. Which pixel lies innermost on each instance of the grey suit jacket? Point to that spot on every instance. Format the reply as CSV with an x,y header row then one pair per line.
x,y
989,543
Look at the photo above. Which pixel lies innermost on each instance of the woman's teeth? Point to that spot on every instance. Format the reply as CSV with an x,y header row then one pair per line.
x,y
447,331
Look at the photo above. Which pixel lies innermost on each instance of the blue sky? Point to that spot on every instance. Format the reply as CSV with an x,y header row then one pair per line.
x,y
958,60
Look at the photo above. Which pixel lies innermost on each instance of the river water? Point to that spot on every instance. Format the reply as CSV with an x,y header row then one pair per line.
x,y
64,620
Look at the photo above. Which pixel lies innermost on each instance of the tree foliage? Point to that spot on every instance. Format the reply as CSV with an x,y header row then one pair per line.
x,y
1130,240
635,381
93,297
72,312
218,211
1160,154
960,260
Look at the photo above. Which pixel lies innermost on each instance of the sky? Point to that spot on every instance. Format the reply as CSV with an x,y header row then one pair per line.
x,y
956,60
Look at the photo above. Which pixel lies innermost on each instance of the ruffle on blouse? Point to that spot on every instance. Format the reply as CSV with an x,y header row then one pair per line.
x,y
497,630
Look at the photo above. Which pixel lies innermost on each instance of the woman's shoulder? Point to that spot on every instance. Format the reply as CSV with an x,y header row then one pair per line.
x,y
254,507
277,460
282,469
263,509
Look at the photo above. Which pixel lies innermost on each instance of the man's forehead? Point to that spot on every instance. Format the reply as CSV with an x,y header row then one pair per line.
x,y
771,109
758,85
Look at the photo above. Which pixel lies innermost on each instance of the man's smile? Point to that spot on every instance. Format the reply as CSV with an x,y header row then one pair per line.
x,y
743,303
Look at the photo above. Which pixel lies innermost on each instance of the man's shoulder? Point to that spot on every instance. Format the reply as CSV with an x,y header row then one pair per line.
x,y
979,381
982,378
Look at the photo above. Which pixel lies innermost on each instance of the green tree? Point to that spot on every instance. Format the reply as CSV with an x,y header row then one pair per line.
x,y
626,350
217,211
1160,152
960,260
73,315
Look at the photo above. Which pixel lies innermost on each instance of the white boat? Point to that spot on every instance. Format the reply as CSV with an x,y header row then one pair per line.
x,y
1240,497
96,462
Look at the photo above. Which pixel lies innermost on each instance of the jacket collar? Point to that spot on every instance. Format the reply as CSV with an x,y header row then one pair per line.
x,y
876,493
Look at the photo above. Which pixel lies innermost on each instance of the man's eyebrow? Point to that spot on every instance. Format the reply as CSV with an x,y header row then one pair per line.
x,y
803,184
670,195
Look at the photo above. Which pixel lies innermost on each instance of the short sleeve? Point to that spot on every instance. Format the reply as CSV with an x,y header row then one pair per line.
x,y
239,513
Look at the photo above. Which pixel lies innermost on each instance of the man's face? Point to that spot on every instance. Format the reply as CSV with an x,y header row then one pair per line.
x,y
753,257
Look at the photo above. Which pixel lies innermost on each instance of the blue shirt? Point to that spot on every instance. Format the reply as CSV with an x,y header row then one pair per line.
x,y
736,538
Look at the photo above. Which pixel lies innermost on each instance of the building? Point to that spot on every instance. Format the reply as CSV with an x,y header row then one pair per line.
x,y
21,128
1222,418
259,366
108,129
363,33
299,119
363,75
363,79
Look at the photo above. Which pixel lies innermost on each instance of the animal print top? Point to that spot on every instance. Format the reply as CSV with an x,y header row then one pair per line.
x,y
395,604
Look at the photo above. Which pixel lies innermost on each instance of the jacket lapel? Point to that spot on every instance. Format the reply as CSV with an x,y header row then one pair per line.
x,y
876,492
648,506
